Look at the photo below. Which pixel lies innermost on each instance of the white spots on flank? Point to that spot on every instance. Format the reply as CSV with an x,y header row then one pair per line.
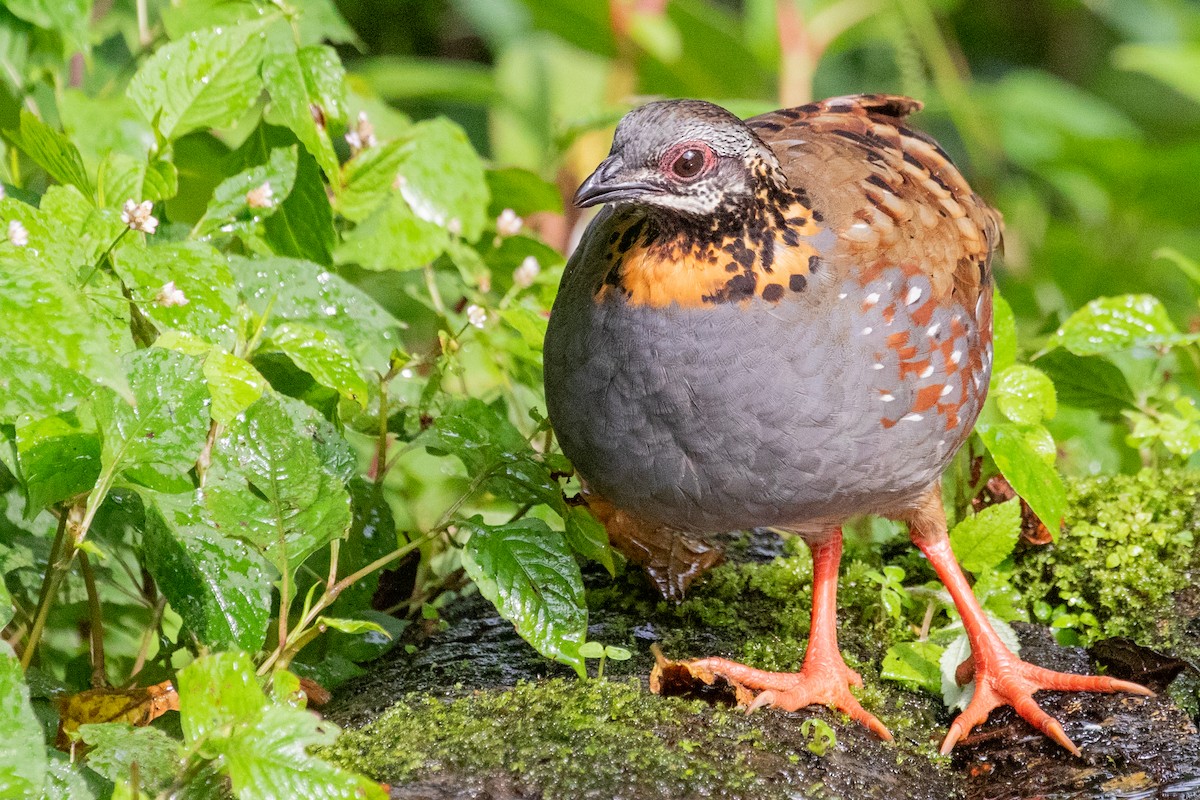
x,y
910,417
867,330
933,329
914,294
887,398
872,299
925,373
947,389
956,357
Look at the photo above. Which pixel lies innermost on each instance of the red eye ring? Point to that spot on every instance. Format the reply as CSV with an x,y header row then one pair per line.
x,y
687,160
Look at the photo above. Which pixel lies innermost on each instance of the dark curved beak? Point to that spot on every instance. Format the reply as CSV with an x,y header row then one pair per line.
x,y
605,185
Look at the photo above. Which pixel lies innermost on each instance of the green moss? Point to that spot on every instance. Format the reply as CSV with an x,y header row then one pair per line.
x,y
1128,547
569,738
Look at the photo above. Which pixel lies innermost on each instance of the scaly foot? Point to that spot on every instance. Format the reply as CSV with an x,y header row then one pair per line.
x,y
1002,678
826,682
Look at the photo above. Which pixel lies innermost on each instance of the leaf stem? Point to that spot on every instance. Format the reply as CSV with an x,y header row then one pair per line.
x,y
64,550
95,623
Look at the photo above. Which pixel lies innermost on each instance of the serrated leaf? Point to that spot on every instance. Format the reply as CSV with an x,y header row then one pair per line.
x,y
59,459
124,177
115,747
1087,382
393,238
197,270
216,692
304,292
34,300
914,664
300,82
208,79
1024,394
588,537
433,168
52,151
243,200
1112,324
1032,478
233,383
273,759
31,383
528,573
487,442
22,750
278,481
167,424
323,356
302,226
981,541
219,585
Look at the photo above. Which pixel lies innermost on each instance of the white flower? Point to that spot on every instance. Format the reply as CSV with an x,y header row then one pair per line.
x,y
170,295
261,196
476,316
362,135
526,274
137,216
508,223
17,235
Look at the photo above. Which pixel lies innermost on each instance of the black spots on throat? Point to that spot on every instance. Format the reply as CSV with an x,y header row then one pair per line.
x,y
631,235
797,283
772,292
739,287
814,263
741,254
732,266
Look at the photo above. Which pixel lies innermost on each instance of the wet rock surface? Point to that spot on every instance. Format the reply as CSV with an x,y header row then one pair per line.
x,y
475,714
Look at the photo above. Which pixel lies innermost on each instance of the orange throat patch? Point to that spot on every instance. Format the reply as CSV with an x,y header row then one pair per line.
x,y
768,261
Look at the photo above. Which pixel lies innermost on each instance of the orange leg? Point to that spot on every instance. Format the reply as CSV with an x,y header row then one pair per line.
x,y
824,678
1001,678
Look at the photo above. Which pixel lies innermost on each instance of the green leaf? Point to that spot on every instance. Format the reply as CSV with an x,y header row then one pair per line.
x,y
353,626
1032,478
323,356
208,79
1113,324
303,292
167,425
1024,394
302,226
233,383
241,201
197,270
22,748
216,693
1004,334
124,177
528,573
31,383
488,443
69,18
272,759
52,151
523,191
59,459
115,747
301,83
588,537
393,238
1177,67
35,300
983,540
1087,382
276,483
914,664
218,584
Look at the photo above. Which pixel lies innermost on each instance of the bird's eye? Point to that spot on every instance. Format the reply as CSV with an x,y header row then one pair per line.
x,y
688,164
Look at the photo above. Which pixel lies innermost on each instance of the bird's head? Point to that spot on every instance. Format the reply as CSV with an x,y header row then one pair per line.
x,y
685,156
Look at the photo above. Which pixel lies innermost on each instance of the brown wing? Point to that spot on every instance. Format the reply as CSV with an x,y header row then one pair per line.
x,y
889,192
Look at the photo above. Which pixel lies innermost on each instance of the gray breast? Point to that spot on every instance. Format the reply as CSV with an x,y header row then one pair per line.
x,y
735,415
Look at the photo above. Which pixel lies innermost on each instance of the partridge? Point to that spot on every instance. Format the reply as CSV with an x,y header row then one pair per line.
x,y
785,322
